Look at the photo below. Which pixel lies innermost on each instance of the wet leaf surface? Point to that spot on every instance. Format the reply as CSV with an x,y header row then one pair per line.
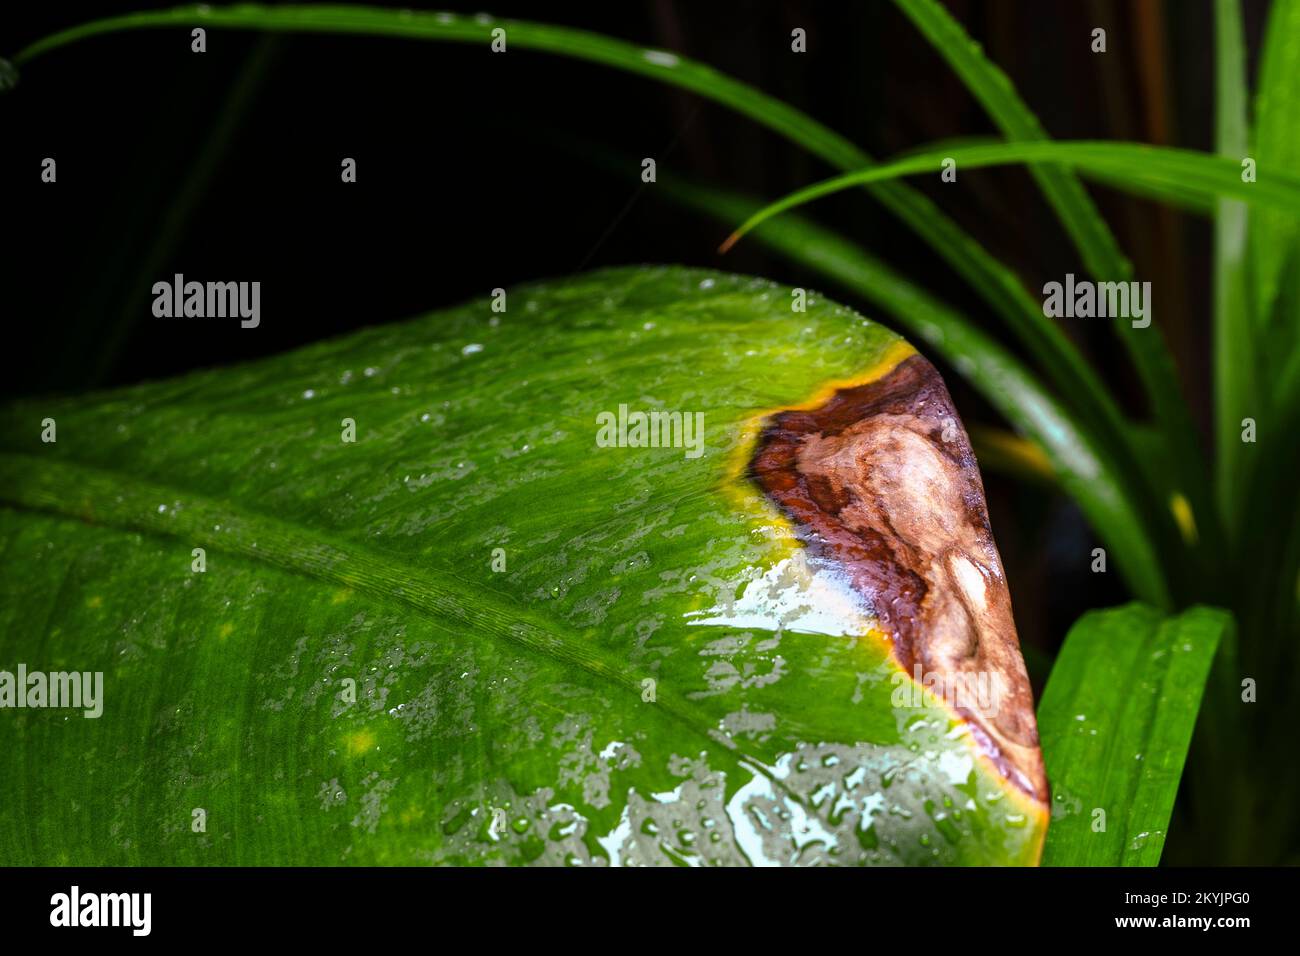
x,y
661,673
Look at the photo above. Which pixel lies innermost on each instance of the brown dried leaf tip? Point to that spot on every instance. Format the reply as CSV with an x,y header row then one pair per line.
x,y
880,480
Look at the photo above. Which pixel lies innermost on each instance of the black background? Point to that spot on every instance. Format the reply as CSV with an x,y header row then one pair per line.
x,y
337,907
478,170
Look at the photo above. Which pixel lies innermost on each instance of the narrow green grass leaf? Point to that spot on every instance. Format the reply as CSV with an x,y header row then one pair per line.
x,y
1116,721
1275,236
1130,166
1274,254
1100,252
1236,366
1077,213
996,93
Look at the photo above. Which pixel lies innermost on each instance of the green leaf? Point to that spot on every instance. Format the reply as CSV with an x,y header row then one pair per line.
x,y
771,732
995,92
1065,367
1116,721
1103,259
1274,236
1236,365
1131,166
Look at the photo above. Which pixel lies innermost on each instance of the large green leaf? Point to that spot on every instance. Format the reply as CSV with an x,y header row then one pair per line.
x,y
1116,720
772,735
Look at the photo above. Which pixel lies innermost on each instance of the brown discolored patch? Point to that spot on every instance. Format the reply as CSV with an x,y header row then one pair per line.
x,y
881,480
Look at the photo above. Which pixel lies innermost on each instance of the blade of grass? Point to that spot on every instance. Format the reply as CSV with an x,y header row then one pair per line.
x,y
1269,519
998,285
996,93
1277,146
1268,526
1131,166
1235,365
1100,252
1107,495
1116,722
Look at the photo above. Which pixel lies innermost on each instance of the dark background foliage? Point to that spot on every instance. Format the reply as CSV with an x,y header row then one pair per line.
x,y
478,170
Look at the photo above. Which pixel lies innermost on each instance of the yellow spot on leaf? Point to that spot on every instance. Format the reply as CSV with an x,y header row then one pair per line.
x,y
225,630
341,596
360,741
95,601
1182,510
